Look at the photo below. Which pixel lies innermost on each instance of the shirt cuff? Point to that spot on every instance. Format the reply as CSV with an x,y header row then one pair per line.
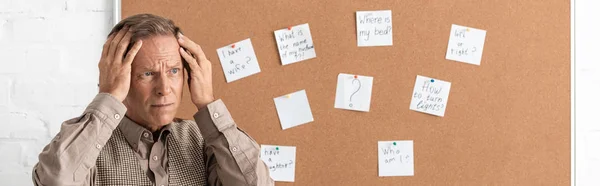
x,y
213,118
108,108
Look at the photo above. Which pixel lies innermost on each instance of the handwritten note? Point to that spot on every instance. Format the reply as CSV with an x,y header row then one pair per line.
x,y
353,92
396,158
281,161
295,44
465,44
238,60
374,28
430,96
293,109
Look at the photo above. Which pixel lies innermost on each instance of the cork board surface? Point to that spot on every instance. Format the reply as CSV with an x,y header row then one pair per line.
x,y
507,121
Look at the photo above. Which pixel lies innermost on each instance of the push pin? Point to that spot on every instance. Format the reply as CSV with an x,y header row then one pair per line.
x,y
289,28
233,46
355,77
394,143
288,96
276,148
468,29
432,80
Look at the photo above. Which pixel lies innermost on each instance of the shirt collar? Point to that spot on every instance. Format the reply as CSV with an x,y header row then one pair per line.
x,y
134,132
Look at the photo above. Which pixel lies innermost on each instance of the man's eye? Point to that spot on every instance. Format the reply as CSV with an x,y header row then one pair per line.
x,y
175,70
148,73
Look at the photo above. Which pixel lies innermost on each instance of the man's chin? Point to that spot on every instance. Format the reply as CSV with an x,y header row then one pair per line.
x,y
163,118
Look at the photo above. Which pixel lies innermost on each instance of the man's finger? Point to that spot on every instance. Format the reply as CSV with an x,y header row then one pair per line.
x,y
115,42
106,46
122,47
189,59
131,54
194,48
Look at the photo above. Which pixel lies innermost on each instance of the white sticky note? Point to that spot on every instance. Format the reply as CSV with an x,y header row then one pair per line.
x,y
396,158
374,28
293,109
281,161
238,60
465,44
295,44
430,96
353,92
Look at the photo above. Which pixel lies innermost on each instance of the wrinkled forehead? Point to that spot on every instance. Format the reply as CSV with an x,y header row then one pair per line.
x,y
157,51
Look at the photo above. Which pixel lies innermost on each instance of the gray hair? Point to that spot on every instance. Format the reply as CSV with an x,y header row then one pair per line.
x,y
145,25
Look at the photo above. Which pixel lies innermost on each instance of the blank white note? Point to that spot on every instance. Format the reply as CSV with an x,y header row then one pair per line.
x,y
293,109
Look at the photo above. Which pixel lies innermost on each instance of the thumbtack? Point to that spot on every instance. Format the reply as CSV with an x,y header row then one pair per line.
x,y
276,148
394,143
468,29
432,80
233,46
355,76
288,96
289,28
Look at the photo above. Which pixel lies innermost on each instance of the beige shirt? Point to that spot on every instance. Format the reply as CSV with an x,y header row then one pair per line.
x,y
231,155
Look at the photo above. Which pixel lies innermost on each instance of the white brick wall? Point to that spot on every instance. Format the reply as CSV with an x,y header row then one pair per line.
x,y
49,51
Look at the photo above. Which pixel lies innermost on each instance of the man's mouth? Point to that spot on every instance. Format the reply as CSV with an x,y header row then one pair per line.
x,y
162,105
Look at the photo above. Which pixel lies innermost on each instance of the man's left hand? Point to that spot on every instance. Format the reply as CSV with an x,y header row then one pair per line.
x,y
200,72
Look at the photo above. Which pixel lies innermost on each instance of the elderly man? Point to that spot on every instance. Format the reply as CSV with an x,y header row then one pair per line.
x,y
129,135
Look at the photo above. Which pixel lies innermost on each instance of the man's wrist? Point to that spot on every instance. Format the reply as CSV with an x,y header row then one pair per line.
x,y
203,104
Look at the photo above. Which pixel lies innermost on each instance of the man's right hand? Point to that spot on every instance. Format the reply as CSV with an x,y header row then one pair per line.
x,y
115,68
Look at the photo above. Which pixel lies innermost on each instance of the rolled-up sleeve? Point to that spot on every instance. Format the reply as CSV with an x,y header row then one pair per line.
x,y
232,155
71,155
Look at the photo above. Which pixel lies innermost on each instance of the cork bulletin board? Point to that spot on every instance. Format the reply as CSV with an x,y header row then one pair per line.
x,y
507,121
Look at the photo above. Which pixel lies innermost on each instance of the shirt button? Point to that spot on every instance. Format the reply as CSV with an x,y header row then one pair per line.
x,y
146,135
98,146
216,115
234,149
155,158
117,116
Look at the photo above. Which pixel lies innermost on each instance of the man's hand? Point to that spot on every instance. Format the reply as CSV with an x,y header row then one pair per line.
x,y
115,69
200,72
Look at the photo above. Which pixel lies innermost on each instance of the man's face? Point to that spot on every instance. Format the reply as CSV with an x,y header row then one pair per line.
x,y
156,82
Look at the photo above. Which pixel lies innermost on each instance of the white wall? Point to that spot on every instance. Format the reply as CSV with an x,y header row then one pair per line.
x,y
49,51
587,92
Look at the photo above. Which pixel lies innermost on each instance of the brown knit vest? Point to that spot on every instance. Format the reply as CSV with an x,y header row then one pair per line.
x,y
117,163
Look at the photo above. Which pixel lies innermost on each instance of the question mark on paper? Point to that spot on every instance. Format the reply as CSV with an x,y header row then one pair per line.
x,y
248,61
359,85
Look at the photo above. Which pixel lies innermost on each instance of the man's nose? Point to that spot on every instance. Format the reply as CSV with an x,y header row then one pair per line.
x,y
164,86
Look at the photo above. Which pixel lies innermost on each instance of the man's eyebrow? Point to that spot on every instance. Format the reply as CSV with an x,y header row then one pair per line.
x,y
149,68
175,64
